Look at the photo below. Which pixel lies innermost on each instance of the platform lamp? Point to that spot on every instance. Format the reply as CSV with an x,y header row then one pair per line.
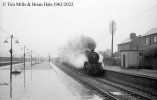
x,y
31,58
11,49
11,55
24,54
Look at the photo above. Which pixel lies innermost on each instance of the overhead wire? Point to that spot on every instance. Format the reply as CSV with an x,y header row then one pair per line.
x,y
142,13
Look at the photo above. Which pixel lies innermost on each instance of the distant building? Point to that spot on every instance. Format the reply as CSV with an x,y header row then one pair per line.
x,y
149,39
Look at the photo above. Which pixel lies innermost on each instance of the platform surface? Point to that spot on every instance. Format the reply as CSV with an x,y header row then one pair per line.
x,y
41,82
137,72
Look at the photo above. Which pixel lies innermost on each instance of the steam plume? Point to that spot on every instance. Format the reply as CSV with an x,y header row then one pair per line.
x,y
74,50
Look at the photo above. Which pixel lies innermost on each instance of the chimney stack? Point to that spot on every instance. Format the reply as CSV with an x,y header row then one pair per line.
x,y
132,35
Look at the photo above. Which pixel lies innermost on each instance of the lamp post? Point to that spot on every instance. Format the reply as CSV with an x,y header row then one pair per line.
x,y
11,59
24,58
24,55
49,58
31,58
11,50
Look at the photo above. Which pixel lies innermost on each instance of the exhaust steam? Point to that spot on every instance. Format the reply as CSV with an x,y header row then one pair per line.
x,y
74,51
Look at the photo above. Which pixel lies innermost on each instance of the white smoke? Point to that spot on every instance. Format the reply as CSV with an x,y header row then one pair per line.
x,y
74,51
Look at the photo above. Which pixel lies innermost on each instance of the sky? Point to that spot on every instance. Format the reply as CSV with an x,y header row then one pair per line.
x,y
44,29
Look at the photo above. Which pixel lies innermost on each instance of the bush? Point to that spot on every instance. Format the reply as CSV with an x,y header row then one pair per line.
x,y
150,52
110,61
149,58
107,61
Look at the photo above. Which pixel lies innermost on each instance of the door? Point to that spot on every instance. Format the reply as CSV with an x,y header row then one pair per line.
x,y
124,61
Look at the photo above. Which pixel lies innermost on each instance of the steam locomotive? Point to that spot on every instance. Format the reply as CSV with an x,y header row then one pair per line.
x,y
93,67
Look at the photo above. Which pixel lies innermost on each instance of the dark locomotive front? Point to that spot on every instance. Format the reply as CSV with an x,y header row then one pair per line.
x,y
93,67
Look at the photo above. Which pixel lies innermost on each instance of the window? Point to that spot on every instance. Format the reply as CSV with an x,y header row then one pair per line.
x,y
122,47
146,40
127,47
119,47
154,39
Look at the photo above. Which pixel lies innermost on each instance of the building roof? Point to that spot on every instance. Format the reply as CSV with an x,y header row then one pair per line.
x,y
152,31
126,41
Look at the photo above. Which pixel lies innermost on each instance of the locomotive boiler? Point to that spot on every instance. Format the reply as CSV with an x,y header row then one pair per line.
x,y
93,67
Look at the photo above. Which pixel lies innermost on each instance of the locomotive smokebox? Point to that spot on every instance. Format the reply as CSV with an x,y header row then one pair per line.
x,y
93,67
93,57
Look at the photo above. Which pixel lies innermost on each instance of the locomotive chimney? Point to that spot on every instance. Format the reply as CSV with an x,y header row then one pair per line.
x,y
92,50
87,52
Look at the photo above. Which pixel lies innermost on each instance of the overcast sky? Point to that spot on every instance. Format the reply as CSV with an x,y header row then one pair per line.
x,y
43,29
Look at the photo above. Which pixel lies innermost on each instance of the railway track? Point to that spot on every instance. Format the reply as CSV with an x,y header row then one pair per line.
x,y
139,93
106,88
150,91
88,83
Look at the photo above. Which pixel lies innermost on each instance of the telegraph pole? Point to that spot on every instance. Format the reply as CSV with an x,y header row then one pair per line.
x,y
112,30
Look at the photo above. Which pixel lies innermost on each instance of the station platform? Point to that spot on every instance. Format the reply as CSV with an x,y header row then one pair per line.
x,y
4,63
137,72
140,77
43,81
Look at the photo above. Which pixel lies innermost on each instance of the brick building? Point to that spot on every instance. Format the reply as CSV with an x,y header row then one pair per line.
x,y
149,39
145,41
148,47
132,43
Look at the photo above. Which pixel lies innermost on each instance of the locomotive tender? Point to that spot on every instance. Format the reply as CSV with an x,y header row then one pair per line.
x,y
93,67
